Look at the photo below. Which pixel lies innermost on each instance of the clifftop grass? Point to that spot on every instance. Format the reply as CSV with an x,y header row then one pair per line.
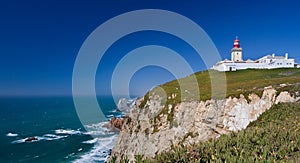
x,y
238,82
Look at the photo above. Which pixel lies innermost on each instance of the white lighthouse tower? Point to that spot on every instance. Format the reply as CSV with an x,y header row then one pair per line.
x,y
236,51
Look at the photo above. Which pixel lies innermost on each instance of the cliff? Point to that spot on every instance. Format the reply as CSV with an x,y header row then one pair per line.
x,y
152,129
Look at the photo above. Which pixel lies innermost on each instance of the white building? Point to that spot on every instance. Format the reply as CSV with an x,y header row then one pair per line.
x,y
266,62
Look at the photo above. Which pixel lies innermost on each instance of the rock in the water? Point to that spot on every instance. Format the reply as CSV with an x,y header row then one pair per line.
x,y
115,124
30,139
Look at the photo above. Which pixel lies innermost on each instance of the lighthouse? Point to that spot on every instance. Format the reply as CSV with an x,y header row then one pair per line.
x,y
265,62
236,51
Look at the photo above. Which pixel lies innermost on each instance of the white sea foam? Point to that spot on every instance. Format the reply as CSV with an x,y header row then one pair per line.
x,y
93,133
95,126
109,116
19,141
99,133
103,141
11,134
97,130
70,155
52,137
91,141
67,131
101,150
38,138
48,137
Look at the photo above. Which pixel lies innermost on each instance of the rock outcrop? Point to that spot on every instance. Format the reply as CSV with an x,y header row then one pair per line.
x,y
150,130
115,124
125,105
284,97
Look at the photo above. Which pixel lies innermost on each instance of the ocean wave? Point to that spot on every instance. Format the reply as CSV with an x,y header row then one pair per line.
x,y
91,141
11,134
70,155
47,137
97,133
95,126
67,131
100,151
97,130
102,141
120,116
23,140
52,137
109,116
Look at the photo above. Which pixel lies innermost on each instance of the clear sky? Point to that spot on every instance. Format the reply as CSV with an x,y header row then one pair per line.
x,y
39,40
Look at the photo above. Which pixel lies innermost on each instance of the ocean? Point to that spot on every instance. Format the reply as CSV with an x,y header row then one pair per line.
x,y
54,122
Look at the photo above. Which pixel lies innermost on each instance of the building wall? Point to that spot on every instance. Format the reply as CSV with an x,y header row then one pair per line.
x,y
264,64
236,54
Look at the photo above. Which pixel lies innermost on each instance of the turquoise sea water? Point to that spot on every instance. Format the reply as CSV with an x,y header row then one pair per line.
x,y
54,122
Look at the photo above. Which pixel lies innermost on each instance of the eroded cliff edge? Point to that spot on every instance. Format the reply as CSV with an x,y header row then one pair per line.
x,y
152,129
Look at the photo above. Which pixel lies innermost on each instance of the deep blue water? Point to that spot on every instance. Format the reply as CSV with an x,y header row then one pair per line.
x,y
54,122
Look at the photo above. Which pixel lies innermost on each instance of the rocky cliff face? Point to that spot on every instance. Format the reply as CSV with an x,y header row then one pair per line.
x,y
151,131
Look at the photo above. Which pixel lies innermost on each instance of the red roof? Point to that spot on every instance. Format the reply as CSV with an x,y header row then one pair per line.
x,y
236,43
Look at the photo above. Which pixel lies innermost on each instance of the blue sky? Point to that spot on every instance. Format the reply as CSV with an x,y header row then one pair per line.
x,y
39,40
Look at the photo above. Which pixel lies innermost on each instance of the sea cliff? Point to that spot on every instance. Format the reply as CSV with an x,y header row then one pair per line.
x,y
149,131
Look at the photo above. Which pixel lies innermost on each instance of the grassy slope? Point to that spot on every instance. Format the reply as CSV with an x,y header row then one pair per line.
x,y
239,82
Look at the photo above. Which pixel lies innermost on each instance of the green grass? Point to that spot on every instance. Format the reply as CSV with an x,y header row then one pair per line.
x,y
274,137
236,83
